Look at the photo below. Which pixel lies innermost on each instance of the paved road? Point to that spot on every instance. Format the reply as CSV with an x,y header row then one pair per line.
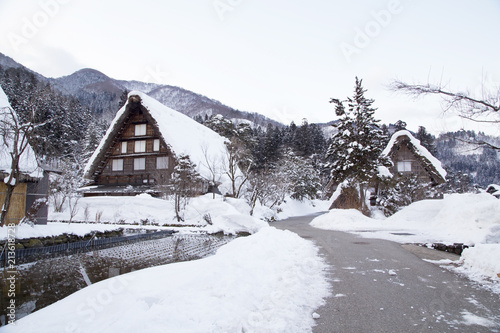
x,y
380,286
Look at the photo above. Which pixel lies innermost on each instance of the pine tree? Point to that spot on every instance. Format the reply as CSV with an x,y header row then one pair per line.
x,y
123,99
185,179
427,140
221,125
303,179
355,152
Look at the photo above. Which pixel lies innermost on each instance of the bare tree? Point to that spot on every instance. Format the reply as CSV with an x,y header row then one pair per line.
x,y
236,158
15,135
73,200
214,166
485,109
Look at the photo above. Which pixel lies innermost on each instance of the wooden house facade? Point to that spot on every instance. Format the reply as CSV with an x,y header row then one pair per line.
x,y
138,153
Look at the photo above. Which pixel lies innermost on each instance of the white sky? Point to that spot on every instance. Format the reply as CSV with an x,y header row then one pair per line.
x,y
280,58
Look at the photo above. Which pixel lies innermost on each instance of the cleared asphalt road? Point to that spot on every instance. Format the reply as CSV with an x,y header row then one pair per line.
x,y
380,286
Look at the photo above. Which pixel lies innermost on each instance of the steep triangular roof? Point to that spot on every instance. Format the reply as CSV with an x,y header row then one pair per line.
x,y
28,164
182,134
431,164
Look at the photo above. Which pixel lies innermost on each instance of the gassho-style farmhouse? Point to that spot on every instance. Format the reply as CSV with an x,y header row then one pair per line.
x,y
140,148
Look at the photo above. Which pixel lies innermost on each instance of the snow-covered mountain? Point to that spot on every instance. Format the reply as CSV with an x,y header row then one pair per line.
x,y
8,62
102,94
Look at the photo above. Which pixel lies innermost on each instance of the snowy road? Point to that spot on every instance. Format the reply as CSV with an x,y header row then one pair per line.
x,y
379,286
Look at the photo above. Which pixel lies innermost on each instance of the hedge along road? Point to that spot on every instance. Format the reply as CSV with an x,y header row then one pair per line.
x,y
381,286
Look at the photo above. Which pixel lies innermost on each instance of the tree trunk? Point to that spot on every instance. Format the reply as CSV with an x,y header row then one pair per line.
x,y
6,204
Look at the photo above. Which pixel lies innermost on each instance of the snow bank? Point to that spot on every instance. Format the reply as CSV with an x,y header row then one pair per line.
x,y
228,215
293,207
458,218
482,260
344,220
55,229
271,281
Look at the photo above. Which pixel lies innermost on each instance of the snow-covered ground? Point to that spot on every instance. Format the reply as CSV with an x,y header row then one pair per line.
x,y
55,229
228,215
271,281
472,219
145,212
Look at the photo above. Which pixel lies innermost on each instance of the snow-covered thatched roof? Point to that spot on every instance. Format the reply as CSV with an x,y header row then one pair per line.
x,y
183,135
494,190
432,164
28,164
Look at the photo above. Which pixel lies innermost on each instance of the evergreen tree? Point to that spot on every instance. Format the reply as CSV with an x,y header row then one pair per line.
x,y
427,140
400,125
355,152
123,99
221,125
185,179
303,179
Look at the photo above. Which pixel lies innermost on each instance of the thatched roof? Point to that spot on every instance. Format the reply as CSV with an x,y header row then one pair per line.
x,y
431,164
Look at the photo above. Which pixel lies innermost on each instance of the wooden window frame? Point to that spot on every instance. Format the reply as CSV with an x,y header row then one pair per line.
x,y
140,129
117,164
404,166
140,146
162,162
139,163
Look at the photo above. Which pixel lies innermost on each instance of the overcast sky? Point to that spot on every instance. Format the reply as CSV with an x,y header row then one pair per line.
x,y
283,59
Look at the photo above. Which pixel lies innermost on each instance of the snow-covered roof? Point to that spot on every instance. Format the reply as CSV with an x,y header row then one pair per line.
x,y
28,164
419,150
494,190
183,134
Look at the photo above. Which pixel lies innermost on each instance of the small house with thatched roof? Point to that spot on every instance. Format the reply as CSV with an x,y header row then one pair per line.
x,y
141,147
408,156
31,186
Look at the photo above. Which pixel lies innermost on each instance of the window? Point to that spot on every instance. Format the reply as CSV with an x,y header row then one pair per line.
x,y
124,147
140,146
162,162
140,129
404,166
140,163
117,165
156,145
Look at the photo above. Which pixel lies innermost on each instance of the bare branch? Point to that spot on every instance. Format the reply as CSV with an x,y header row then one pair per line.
x,y
467,107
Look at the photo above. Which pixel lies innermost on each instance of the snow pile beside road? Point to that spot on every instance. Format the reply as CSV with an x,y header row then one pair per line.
x,y
344,220
482,260
469,218
292,207
271,281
